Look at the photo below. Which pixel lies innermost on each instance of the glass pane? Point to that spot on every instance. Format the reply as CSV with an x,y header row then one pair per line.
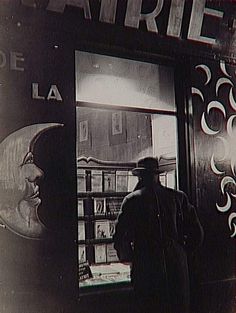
x,y
109,143
114,81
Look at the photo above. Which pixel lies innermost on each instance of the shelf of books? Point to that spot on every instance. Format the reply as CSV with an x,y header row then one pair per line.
x,y
102,186
101,189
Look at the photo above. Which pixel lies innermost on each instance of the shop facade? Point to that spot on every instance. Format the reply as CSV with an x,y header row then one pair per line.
x,y
87,88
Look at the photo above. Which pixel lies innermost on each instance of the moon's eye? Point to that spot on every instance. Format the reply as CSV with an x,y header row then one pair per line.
x,y
28,159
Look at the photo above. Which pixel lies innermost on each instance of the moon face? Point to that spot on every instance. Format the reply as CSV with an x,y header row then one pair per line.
x,y
19,189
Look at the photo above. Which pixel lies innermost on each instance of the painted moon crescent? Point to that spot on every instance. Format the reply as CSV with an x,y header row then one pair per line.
x,y
221,81
206,70
232,100
223,68
206,129
225,207
214,168
229,126
196,91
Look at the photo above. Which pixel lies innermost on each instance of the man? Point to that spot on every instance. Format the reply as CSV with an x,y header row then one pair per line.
x,y
156,230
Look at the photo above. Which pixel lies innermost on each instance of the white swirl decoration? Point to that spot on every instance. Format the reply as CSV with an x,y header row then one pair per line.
x,y
226,180
232,225
229,127
232,101
225,207
222,81
223,68
212,105
207,72
196,91
214,168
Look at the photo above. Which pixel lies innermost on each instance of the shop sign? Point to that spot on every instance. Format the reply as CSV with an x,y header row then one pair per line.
x,y
109,10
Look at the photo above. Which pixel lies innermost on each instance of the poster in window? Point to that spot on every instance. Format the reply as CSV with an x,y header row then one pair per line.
x,y
81,230
96,181
102,229
80,207
100,253
99,206
117,128
83,131
116,123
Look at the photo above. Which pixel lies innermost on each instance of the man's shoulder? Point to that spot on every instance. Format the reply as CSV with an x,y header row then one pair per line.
x,y
170,192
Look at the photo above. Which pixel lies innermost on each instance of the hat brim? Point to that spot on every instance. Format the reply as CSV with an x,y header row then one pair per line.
x,y
143,170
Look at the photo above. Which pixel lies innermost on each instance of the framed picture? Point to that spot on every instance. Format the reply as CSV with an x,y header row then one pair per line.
x,y
111,253
121,181
109,181
99,206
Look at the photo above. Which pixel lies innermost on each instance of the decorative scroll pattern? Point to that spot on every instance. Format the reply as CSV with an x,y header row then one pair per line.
x,y
226,140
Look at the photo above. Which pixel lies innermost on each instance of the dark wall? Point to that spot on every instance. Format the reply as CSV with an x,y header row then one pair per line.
x,y
39,275
214,153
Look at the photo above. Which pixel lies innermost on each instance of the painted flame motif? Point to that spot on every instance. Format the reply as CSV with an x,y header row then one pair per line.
x,y
227,142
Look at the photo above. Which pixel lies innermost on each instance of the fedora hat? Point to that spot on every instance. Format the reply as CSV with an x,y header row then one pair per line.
x,y
148,165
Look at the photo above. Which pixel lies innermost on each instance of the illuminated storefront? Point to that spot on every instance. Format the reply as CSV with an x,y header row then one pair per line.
x,y
86,89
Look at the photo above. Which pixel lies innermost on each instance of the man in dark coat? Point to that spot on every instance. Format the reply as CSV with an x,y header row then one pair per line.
x,y
156,230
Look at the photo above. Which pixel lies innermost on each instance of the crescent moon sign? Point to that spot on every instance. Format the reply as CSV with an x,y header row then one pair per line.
x,y
206,70
232,100
226,207
216,105
206,129
196,91
223,68
21,216
221,81
226,148
226,180
229,126
214,168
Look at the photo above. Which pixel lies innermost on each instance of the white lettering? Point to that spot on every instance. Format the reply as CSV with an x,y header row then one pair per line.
x,y
59,6
35,92
16,57
108,11
54,94
175,18
196,20
134,15
3,59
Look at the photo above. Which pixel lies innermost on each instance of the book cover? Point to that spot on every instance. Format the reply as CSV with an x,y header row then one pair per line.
x,y
81,180
121,181
113,206
96,181
100,253
81,254
102,229
132,181
111,253
99,206
80,207
112,225
81,230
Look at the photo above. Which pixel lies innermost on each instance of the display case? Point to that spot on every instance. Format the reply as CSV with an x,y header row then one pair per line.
x,y
102,186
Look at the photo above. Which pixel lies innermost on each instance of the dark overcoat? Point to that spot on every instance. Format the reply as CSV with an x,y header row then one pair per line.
x,y
155,231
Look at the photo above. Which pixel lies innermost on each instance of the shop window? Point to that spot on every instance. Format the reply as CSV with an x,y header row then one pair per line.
x,y
109,143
